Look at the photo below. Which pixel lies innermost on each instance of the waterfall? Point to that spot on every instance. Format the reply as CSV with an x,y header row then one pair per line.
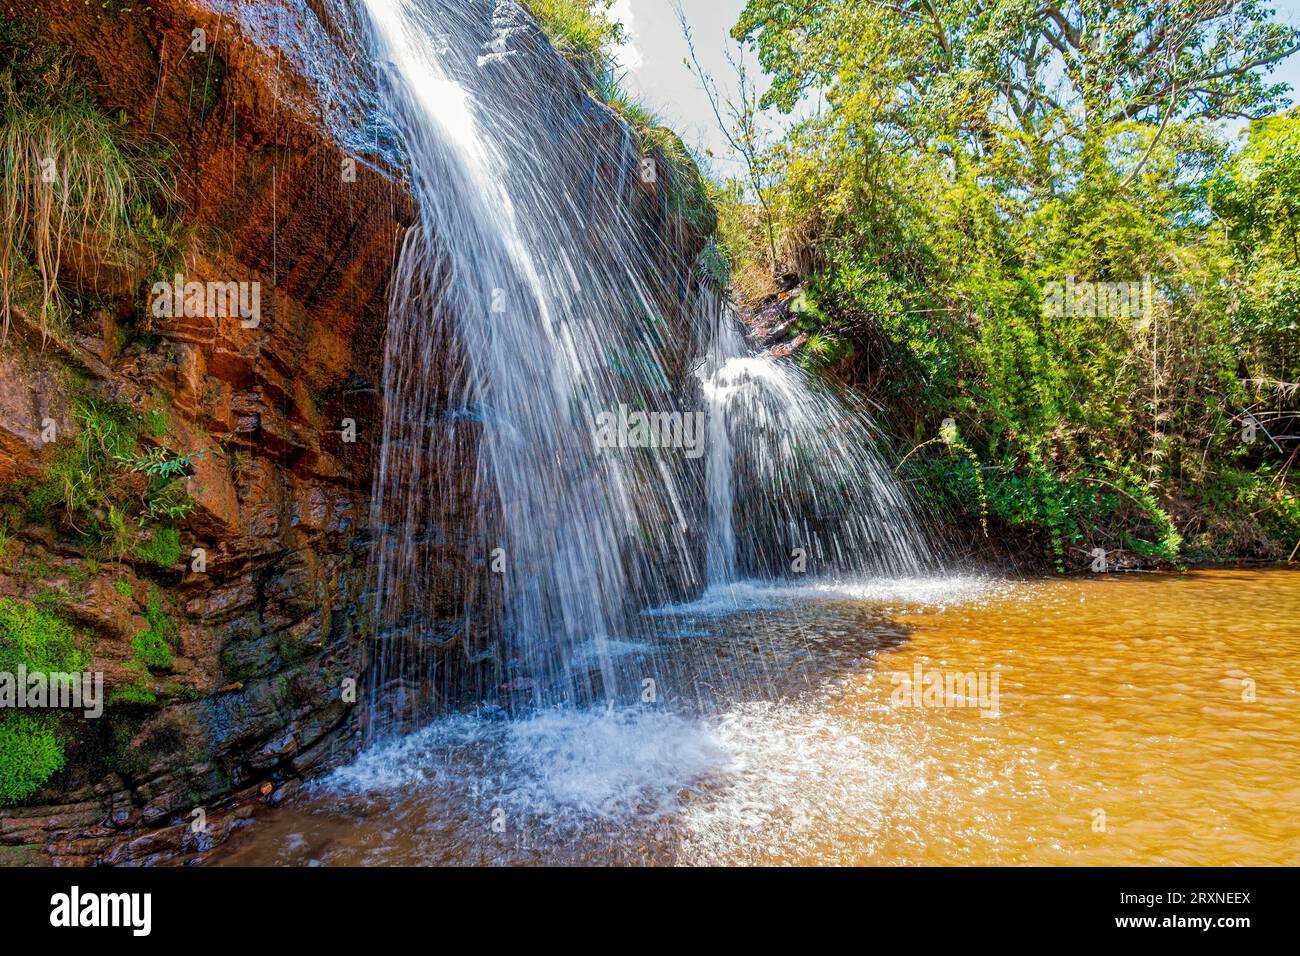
x,y
528,302
529,322
800,468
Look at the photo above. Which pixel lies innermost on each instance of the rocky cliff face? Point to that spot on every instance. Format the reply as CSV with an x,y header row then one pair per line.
x,y
285,180
267,634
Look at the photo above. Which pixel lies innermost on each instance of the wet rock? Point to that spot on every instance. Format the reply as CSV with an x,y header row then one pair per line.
x,y
788,348
248,404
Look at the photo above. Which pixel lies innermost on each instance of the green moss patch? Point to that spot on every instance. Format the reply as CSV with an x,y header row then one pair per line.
x,y
30,753
30,748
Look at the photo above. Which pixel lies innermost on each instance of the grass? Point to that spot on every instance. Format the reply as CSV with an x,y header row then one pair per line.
x,y
120,499
580,30
610,91
68,174
65,177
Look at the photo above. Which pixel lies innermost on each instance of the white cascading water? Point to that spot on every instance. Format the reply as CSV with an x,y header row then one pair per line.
x,y
800,470
529,298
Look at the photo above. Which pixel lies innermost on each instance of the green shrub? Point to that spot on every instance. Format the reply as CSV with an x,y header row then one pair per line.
x,y
580,30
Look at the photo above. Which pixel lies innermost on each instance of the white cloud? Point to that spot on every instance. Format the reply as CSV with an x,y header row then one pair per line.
x,y
626,55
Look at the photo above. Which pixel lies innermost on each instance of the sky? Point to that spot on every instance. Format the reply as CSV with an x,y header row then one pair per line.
x,y
653,70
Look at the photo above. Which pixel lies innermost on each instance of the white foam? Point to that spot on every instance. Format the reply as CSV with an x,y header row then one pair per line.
x,y
735,783
610,763
766,808
741,596
557,763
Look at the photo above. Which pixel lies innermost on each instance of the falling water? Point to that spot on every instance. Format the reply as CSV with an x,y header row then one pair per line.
x,y
528,300
534,294
800,471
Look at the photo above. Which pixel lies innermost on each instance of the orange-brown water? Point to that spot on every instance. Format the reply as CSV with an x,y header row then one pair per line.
x,y
1140,719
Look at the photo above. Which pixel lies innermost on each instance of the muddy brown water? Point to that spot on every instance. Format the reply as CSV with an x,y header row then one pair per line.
x,y
1137,719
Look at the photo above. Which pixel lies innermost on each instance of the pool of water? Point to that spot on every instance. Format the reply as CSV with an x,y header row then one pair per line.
x,y
1137,719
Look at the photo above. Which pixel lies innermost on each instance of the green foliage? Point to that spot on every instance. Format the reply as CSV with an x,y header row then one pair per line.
x,y
163,547
934,210
38,639
153,651
1257,196
34,70
155,422
120,498
30,753
139,693
156,463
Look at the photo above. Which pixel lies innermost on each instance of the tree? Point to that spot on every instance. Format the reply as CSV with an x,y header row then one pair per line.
x,y
1021,76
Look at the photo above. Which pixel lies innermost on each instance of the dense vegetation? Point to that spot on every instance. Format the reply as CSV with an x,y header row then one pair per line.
x,y
82,204
974,193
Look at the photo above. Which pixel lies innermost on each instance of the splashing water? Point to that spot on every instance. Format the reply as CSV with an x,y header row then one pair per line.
x,y
533,296
848,773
